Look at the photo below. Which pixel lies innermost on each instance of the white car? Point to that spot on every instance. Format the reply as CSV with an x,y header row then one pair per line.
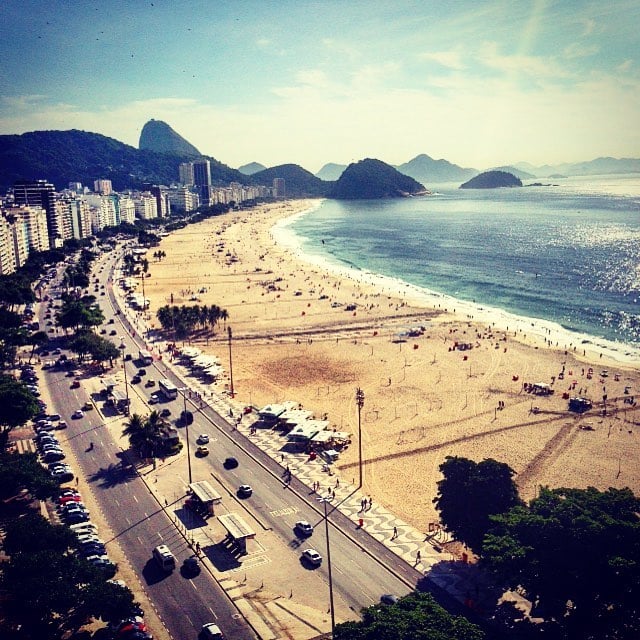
x,y
154,398
76,415
203,438
211,631
312,557
303,527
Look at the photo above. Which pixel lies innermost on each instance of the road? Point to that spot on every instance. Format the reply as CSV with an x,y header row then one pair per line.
x,y
362,569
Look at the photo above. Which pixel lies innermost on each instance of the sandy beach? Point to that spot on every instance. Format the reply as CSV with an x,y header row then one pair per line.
x,y
439,379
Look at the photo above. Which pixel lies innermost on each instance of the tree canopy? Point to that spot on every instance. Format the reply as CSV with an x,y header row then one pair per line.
x,y
17,406
576,553
415,617
470,492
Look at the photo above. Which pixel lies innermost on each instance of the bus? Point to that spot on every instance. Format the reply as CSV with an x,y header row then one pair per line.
x,y
145,357
169,389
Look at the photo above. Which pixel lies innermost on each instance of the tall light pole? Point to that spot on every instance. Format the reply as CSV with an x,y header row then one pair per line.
x,y
230,362
185,415
326,532
124,368
360,404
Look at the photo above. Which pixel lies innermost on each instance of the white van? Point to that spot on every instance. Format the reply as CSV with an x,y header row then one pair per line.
x,y
164,557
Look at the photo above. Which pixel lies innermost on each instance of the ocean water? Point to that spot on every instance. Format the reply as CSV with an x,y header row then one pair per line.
x,y
565,257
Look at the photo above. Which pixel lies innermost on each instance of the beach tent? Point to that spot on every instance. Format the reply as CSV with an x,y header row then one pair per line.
x,y
292,417
327,436
272,412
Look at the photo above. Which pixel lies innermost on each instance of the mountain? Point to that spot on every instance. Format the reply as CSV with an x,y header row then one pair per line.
x,y
251,168
370,179
519,173
158,136
331,171
65,156
599,166
299,183
492,180
426,170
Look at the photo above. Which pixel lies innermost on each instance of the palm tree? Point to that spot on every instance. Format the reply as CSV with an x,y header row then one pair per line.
x,y
143,436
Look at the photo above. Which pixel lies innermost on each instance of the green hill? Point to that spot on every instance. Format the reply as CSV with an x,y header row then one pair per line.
x,y
299,183
80,156
158,136
370,179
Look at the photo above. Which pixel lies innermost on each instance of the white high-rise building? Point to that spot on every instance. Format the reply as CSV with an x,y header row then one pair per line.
x,y
146,206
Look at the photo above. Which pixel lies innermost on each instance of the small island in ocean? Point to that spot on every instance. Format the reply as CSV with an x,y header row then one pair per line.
x,y
492,180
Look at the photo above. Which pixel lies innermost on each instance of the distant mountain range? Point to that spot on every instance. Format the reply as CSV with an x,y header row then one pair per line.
x,y
599,166
79,156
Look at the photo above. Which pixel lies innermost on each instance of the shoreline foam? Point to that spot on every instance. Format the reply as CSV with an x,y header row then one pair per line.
x,y
503,320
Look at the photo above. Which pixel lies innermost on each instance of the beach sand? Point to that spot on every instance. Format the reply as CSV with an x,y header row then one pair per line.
x,y
425,399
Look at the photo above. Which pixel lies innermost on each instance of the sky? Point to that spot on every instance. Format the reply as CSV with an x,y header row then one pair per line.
x,y
477,83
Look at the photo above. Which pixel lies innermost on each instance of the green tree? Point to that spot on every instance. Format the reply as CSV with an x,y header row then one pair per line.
x,y
470,493
31,533
17,405
576,554
415,617
23,472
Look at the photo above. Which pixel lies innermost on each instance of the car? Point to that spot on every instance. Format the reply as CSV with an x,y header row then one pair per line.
x,y
61,425
312,557
203,438
388,598
230,463
136,379
165,413
103,331
202,451
62,475
154,398
211,631
304,528
75,384
150,383
76,516
77,414
87,406
244,491
92,549
113,332
54,417
53,455
73,498
191,566
142,372
111,321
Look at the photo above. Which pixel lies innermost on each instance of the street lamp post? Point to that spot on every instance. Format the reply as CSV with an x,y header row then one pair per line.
x,y
185,415
230,362
124,368
326,531
360,404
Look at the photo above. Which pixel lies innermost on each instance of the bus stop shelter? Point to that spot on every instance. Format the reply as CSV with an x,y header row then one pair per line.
x,y
203,497
238,531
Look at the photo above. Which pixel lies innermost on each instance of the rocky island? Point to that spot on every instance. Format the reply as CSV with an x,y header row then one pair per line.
x,y
492,180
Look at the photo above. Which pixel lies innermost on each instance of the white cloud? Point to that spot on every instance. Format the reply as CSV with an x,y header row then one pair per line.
x,y
449,59
579,50
535,66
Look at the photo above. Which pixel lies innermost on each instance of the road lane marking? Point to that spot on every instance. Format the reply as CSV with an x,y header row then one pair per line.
x,y
286,511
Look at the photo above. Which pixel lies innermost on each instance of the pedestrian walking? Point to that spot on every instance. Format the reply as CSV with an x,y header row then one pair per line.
x,y
370,503
337,482
418,556
395,533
